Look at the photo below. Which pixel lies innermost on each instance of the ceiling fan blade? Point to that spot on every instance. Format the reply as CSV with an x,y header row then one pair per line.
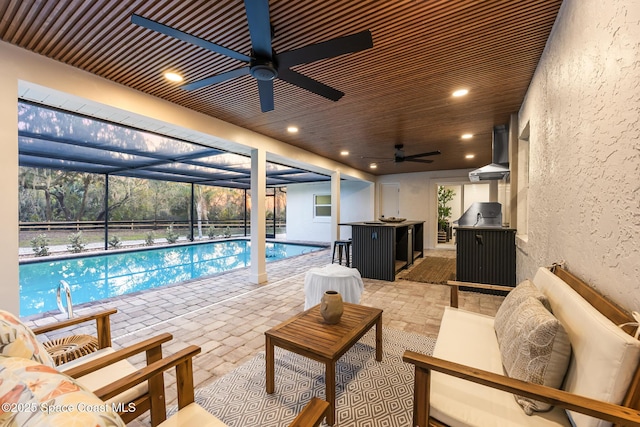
x,y
379,162
417,160
259,27
216,79
309,84
329,49
415,156
265,90
185,37
373,158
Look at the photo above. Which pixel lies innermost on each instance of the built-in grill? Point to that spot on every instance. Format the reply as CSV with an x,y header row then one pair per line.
x,y
482,214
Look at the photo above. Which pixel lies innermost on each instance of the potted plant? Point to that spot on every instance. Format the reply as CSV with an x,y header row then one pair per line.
x,y
445,195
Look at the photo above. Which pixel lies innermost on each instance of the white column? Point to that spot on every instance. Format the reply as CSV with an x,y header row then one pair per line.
x,y
258,270
335,206
9,288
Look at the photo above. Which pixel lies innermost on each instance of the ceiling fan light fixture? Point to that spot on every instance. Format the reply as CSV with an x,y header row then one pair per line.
x,y
344,153
460,92
292,129
263,70
172,76
373,166
469,156
467,136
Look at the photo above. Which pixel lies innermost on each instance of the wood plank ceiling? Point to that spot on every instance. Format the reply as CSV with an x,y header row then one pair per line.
x,y
397,92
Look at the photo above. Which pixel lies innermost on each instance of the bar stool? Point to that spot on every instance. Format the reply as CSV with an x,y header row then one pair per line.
x,y
340,245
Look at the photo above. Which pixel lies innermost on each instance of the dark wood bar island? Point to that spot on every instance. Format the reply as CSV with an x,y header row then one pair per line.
x,y
381,249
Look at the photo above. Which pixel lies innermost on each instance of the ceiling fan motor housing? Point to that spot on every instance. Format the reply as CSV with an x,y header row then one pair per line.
x,y
263,69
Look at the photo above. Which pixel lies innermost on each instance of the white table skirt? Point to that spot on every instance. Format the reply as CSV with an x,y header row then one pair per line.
x,y
333,277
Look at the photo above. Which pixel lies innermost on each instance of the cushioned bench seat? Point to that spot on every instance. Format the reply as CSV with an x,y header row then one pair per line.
x,y
469,338
601,364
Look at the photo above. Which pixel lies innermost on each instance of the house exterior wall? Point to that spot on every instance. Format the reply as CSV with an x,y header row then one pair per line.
x,y
583,112
419,197
356,204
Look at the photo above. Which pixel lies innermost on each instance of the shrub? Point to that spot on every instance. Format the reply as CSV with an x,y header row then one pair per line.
x,y
227,232
76,242
171,235
211,232
40,245
115,242
149,239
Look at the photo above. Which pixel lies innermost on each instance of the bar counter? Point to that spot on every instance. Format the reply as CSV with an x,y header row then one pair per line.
x,y
381,249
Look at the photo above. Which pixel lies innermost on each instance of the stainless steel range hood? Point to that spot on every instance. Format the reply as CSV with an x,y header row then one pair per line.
x,y
499,169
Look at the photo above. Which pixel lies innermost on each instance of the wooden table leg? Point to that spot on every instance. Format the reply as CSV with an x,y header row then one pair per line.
x,y
269,358
379,339
330,385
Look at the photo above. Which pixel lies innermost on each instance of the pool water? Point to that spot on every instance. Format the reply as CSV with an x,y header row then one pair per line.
x,y
93,278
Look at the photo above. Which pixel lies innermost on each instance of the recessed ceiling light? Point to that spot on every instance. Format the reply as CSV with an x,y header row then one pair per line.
x,y
469,156
292,129
344,153
460,92
173,76
373,166
467,136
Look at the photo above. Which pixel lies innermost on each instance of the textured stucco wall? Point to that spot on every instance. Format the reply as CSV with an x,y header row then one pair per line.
x,y
583,107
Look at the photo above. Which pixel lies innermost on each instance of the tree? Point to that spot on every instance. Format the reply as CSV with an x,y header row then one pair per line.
x,y
445,195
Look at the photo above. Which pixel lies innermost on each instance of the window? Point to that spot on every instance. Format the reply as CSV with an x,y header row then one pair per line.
x,y
322,206
522,199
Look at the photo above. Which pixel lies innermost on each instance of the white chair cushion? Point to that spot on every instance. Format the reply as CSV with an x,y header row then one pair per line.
x,y
604,357
192,415
107,375
469,338
536,349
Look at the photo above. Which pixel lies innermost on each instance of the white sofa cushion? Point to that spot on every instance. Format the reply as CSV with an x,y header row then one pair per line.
x,y
469,338
604,357
536,349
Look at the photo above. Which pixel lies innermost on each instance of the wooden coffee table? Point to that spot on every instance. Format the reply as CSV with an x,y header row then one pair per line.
x,y
307,334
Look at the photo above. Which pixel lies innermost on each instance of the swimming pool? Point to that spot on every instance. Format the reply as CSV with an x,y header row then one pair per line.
x,y
93,278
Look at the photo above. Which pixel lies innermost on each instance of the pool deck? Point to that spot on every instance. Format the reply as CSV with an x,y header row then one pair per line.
x,y
227,316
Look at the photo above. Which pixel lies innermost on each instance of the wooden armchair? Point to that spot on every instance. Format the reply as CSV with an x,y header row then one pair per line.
x,y
619,415
568,297
190,413
106,365
103,326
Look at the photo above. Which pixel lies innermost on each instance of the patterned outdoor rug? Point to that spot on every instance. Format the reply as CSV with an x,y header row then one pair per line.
x,y
435,270
368,393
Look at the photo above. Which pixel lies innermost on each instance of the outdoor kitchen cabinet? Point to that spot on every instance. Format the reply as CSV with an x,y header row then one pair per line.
x,y
486,255
380,250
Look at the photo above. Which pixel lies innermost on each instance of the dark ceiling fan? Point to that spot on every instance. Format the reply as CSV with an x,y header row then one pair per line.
x,y
263,63
400,157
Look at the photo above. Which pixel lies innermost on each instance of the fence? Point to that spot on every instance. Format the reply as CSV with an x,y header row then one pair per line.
x,y
144,225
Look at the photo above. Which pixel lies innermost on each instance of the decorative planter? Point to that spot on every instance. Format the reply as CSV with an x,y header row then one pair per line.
x,y
331,307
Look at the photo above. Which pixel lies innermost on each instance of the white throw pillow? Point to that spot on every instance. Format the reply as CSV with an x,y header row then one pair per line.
x,y
536,349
